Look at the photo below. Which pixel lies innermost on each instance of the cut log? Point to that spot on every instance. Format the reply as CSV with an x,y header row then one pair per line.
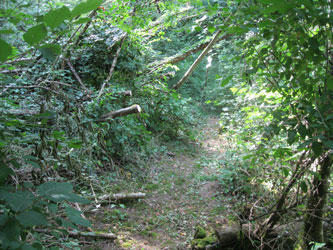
x,y
121,112
110,236
121,196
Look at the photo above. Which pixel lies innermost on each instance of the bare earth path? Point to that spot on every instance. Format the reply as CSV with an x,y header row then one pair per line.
x,y
183,192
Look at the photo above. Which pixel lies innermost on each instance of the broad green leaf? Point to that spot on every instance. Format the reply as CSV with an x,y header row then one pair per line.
x,y
82,20
60,191
317,148
330,83
50,51
55,17
54,188
5,50
328,144
7,32
211,29
75,144
35,34
291,137
85,7
4,172
20,200
58,135
76,218
3,219
198,28
32,218
302,130
31,160
285,171
304,187
226,81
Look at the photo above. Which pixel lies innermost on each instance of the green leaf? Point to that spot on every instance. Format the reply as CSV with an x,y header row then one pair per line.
x,y
82,20
20,200
4,172
7,32
198,28
60,191
285,171
270,1
35,34
291,137
330,83
31,160
328,144
85,7
5,50
302,130
317,148
304,187
75,217
226,81
32,218
50,51
55,189
58,135
55,17
75,144
211,29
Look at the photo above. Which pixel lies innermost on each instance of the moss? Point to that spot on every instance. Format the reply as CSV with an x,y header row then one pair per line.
x,y
200,233
201,244
127,244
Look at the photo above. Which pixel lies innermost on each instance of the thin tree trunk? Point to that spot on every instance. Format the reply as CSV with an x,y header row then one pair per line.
x,y
197,61
313,224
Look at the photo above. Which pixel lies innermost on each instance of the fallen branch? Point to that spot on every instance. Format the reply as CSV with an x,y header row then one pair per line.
x,y
122,196
121,112
110,236
197,61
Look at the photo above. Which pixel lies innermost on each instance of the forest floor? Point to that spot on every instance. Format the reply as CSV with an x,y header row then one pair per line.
x,y
182,192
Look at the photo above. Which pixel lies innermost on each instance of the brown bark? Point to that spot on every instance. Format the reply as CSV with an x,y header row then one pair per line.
x,y
313,224
121,112
197,61
182,57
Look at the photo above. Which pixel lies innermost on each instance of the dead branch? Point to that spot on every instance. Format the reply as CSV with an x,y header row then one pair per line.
x,y
197,61
121,112
75,74
122,196
112,68
110,236
13,71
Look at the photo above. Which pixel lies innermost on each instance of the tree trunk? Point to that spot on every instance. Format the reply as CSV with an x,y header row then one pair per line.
x,y
313,224
197,61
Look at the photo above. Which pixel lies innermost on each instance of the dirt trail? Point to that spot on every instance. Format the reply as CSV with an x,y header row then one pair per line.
x,y
182,192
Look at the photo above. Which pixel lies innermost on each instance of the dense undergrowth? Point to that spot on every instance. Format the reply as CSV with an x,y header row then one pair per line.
x,y
68,66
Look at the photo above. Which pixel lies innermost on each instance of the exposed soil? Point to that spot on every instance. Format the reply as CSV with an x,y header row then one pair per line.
x,y
183,192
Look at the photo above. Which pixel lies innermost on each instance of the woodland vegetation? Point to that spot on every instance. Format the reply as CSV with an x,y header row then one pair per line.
x,y
92,91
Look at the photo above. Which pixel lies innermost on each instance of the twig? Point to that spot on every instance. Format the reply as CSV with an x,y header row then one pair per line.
x,y
76,75
112,68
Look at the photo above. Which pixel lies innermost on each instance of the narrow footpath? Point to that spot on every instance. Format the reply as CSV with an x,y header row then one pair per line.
x,y
183,192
